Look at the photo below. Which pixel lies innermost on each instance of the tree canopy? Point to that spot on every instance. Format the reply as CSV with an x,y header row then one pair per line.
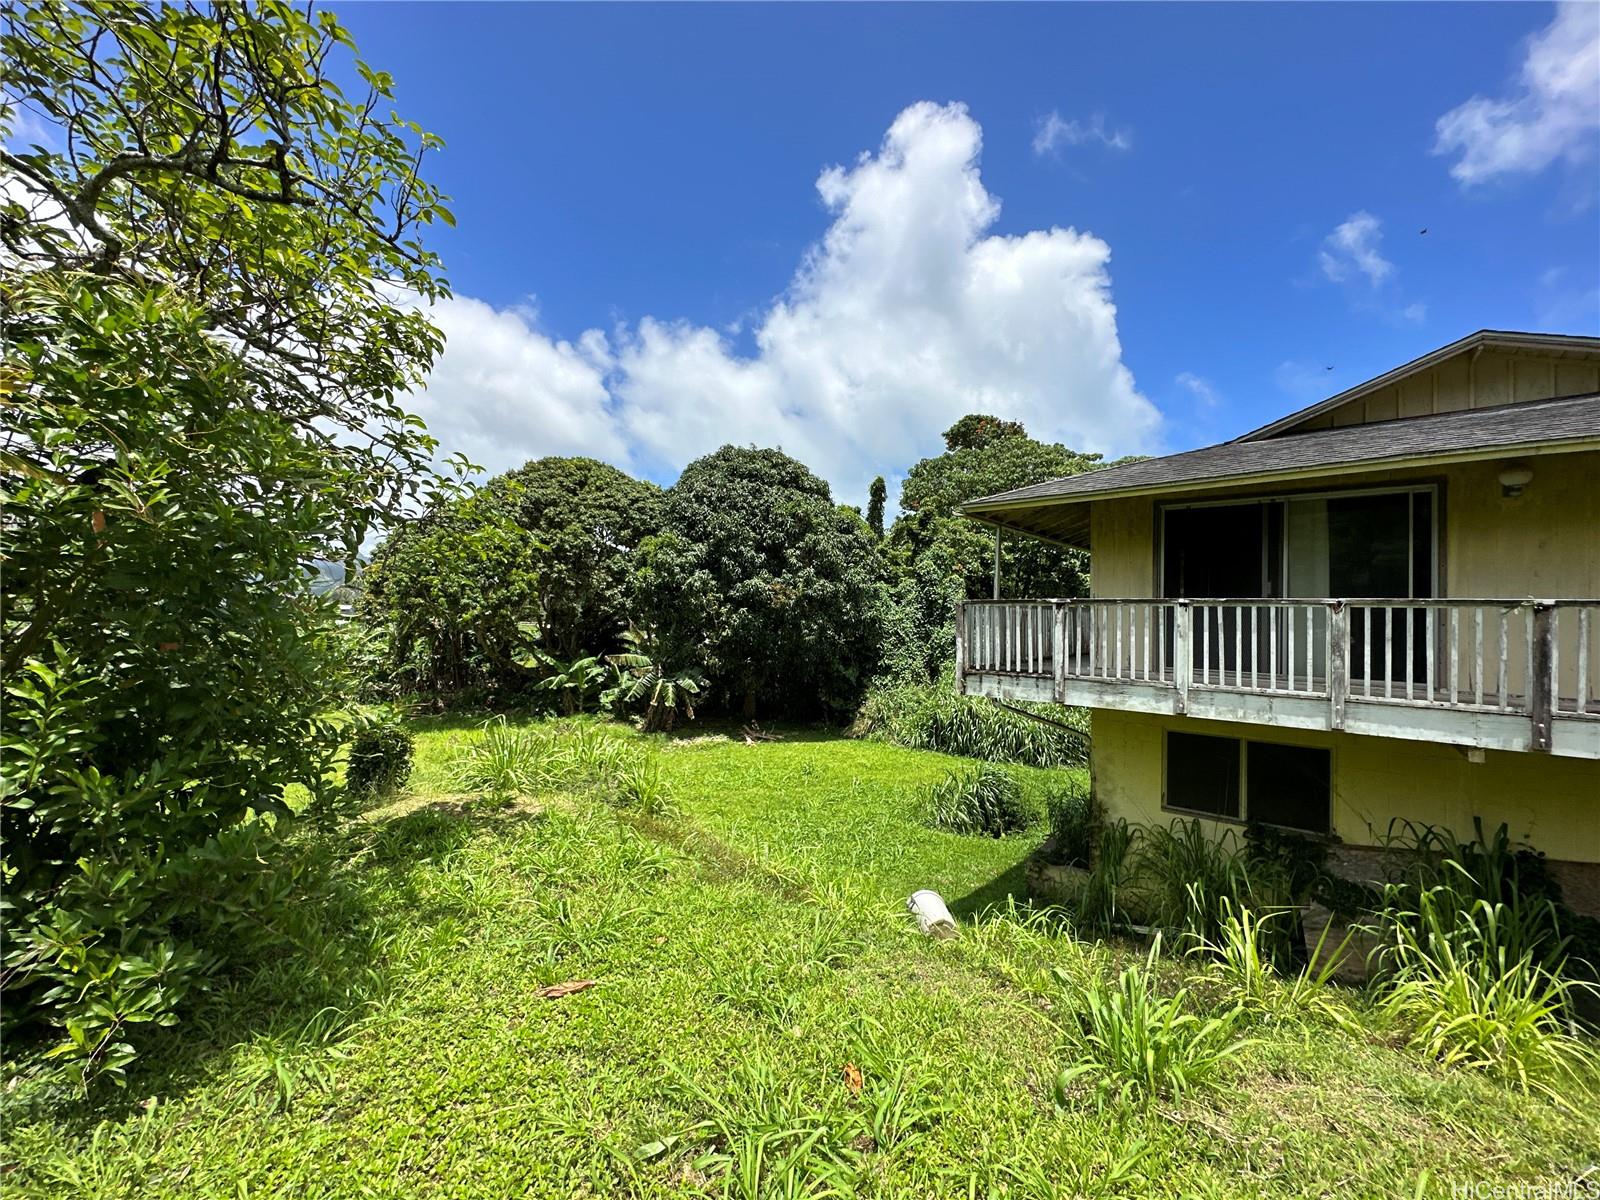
x,y
761,583
984,456
584,520
210,282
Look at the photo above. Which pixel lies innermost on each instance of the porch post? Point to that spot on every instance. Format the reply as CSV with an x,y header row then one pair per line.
x,y
997,562
1541,687
1182,658
1338,662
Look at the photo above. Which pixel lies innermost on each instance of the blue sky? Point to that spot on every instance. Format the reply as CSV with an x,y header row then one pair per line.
x,y
1134,227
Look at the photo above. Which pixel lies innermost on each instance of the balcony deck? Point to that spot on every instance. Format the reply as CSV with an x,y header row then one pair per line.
x,y
1491,674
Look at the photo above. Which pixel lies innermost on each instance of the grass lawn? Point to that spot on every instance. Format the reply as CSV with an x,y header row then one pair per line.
x,y
765,1019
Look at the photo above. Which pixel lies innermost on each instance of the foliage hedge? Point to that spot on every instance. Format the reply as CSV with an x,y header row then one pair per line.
x,y
932,716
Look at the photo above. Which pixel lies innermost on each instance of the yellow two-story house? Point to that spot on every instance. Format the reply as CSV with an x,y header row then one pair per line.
x,y
1382,608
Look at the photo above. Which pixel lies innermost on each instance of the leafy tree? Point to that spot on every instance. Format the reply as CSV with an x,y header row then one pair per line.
x,y
985,456
940,557
877,496
761,583
976,430
454,588
205,352
584,520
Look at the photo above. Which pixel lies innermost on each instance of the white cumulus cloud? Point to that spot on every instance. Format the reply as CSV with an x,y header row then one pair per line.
x,y
906,314
503,392
1352,249
1551,113
1052,131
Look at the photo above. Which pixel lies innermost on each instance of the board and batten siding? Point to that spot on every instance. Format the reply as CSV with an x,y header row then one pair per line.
x,y
1468,380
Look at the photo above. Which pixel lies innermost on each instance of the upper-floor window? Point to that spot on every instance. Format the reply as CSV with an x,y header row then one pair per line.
x,y
1356,544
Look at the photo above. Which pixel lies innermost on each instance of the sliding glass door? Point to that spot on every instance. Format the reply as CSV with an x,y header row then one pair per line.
x,y
1354,545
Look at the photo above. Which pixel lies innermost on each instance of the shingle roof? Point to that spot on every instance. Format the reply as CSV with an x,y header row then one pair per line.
x,y
1568,419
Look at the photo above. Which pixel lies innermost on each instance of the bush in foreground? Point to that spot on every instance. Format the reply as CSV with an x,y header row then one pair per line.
x,y
985,800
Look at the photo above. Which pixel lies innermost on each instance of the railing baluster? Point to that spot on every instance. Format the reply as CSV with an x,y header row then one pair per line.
x,y
1477,656
1388,651
1409,646
1091,634
1255,646
1238,645
1583,660
1205,645
1427,670
1455,655
1529,684
1147,621
1272,646
1555,660
1289,652
1117,671
1504,655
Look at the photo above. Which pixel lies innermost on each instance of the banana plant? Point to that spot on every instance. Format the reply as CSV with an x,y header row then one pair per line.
x,y
574,682
642,678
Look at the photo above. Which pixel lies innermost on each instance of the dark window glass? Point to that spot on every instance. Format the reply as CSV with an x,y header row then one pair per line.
x,y
1203,774
1289,785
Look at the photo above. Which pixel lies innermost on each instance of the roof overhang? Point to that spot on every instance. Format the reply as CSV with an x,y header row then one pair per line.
x,y
1065,520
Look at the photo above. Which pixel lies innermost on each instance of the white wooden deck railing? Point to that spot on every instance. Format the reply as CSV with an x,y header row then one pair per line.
x,y
1535,658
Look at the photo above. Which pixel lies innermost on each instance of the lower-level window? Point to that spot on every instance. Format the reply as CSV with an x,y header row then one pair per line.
x,y
1249,781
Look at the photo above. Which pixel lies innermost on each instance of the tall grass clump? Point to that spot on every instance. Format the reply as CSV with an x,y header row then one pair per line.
x,y
502,763
1076,821
985,800
932,716
1103,899
1454,976
1138,1045
1185,878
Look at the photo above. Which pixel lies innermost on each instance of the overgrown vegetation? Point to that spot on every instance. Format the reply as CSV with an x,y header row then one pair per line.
x,y
985,800
931,716
763,1017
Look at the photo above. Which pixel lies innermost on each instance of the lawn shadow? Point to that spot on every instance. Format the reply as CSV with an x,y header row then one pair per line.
x,y
1010,884
331,952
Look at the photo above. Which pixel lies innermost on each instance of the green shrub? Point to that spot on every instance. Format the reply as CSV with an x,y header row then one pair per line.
x,y
1471,1004
1141,1046
1076,820
1101,903
984,800
932,716
379,760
